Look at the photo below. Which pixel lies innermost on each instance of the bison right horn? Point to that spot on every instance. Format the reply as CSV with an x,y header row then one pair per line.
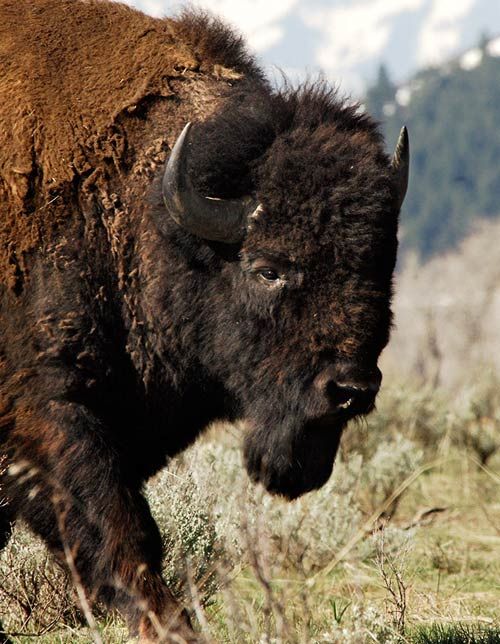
x,y
209,218
400,165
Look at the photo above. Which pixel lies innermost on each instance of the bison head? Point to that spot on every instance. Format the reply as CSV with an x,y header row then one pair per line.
x,y
297,298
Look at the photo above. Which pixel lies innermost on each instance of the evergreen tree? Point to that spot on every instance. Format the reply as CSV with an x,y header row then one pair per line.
x,y
382,93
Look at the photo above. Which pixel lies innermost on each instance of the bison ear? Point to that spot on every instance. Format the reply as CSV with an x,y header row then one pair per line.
x,y
212,219
400,165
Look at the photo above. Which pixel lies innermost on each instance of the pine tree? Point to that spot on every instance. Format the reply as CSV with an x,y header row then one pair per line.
x,y
381,94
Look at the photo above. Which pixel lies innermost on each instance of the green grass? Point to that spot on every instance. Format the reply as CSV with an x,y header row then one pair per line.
x,y
456,634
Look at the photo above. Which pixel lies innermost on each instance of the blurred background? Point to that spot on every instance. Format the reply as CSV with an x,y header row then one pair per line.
x,y
433,65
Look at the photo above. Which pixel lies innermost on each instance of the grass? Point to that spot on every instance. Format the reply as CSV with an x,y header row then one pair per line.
x,y
353,562
456,634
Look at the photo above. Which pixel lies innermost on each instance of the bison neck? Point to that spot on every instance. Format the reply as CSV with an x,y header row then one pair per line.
x,y
165,308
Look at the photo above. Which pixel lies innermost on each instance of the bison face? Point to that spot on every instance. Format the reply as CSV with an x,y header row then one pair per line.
x,y
296,317
315,282
313,329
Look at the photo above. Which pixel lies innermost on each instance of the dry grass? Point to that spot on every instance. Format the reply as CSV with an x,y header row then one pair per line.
x,y
447,314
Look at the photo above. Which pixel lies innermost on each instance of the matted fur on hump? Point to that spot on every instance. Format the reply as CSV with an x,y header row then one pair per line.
x,y
80,84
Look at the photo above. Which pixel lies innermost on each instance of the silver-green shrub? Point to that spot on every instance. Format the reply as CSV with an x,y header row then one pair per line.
x,y
184,514
477,426
36,594
392,463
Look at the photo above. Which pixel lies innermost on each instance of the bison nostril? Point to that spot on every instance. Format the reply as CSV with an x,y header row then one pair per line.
x,y
341,396
356,395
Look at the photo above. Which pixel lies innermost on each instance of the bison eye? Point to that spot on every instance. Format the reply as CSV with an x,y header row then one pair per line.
x,y
268,275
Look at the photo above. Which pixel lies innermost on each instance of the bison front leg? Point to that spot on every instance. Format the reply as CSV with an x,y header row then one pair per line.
x,y
67,483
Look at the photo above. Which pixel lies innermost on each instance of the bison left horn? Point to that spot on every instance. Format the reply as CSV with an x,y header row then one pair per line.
x,y
209,218
400,165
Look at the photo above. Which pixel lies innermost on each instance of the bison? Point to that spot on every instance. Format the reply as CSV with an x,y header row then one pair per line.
x,y
180,241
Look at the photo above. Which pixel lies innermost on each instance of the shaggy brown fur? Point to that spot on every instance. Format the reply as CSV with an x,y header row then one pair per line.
x,y
78,97
122,335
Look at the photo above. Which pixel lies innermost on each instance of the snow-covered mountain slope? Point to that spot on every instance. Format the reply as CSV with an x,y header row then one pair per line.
x,y
348,39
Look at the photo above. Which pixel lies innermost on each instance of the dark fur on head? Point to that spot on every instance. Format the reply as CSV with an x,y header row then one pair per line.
x,y
122,335
318,169
227,148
